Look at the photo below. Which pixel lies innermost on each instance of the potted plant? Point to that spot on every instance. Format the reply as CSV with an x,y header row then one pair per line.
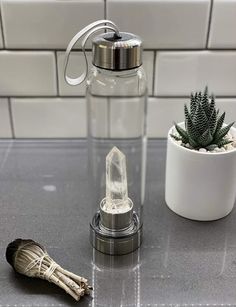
x,y
201,162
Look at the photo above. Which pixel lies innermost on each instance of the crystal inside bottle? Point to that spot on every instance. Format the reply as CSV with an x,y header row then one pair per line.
x,y
116,209
116,182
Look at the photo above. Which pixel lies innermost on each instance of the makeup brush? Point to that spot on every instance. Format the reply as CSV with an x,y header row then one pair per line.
x,y
30,258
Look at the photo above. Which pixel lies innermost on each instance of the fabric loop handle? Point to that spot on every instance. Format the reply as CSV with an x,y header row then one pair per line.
x,y
88,31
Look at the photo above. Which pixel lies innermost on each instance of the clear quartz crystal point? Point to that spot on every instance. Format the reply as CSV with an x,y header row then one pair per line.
x,y
116,182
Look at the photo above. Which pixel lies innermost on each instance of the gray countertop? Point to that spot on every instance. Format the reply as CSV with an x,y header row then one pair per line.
x,y
43,196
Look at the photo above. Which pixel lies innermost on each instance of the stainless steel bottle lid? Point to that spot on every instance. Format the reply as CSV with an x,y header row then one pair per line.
x,y
114,52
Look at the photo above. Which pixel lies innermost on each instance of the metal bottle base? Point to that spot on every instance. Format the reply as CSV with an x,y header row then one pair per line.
x,y
115,242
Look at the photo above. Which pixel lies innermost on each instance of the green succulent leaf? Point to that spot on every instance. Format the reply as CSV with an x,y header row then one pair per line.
x,y
190,128
177,138
182,133
193,133
193,143
220,122
205,102
206,138
193,104
211,106
213,122
200,119
206,90
222,133
224,142
186,112
199,96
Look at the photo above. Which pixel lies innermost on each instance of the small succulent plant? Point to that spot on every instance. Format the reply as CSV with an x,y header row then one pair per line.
x,y
204,126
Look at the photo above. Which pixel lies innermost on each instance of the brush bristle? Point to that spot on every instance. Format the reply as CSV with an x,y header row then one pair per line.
x,y
14,246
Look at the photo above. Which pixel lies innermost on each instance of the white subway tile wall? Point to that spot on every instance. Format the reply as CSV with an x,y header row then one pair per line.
x,y
162,113
49,117
223,22
178,73
47,24
148,60
187,44
27,73
163,24
228,106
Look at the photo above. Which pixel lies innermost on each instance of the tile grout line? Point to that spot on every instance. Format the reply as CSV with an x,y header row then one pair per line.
x,y
105,9
83,96
154,73
11,118
57,73
45,49
44,140
40,97
144,49
147,49
1,26
209,25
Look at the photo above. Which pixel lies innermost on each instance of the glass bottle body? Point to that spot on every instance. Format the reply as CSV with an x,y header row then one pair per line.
x,y
116,109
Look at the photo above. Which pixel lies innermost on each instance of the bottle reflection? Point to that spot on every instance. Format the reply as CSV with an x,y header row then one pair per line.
x,y
116,279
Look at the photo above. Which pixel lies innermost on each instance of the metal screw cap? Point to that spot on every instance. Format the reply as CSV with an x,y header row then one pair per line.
x,y
114,52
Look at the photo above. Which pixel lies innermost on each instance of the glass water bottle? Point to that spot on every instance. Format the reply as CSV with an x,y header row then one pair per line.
x,y
116,117
116,102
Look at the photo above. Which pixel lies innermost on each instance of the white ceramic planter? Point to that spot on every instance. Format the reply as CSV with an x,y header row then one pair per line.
x,y
200,186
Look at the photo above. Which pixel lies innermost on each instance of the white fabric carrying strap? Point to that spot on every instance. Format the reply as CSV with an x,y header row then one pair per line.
x,y
87,32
